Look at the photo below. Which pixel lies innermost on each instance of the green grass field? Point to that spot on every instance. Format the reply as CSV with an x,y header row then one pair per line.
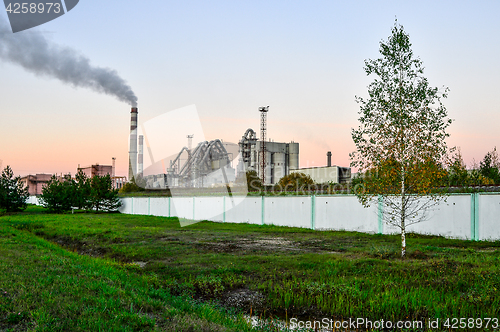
x,y
113,272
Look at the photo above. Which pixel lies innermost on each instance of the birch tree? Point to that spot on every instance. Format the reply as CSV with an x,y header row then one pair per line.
x,y
401,140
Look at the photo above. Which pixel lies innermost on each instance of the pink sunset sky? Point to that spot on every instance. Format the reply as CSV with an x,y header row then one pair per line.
x,y
303,59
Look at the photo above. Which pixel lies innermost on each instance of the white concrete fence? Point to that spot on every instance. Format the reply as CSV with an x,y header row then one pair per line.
x,y
462,216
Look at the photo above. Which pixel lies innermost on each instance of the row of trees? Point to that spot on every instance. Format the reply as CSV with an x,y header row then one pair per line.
x,y
61,194
452,173
82,193
486,173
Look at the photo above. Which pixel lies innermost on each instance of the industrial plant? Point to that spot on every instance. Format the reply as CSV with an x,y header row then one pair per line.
x,y
209,164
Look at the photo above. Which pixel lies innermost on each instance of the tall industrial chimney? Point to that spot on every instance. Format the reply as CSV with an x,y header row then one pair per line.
x,y
140,163
329,159
132,152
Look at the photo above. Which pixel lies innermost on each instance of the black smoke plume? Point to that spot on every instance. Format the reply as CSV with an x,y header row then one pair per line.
x,y
32,51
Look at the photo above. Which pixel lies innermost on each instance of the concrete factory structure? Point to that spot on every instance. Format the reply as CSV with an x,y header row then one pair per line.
x,y
96,169
328,173
207,165
103,170
283,159
35,183
280,158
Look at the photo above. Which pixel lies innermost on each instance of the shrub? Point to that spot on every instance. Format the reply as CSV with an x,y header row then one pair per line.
x,y
295,182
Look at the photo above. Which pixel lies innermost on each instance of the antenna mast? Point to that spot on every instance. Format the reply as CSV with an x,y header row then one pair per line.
x,y
263,124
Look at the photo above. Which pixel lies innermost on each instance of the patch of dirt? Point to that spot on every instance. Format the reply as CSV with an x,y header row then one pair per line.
x,y
262,244
78,246
417,254
487,249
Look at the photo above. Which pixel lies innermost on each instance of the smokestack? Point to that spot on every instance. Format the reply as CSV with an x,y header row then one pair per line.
x,y
140,163
329,158
132,153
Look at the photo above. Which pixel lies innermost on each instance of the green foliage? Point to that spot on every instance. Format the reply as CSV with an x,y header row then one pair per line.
x,y
102,195
132,187
489,166
458,176
295,182
44,287
13,194
401,140
82,191
321,274
59,195
483,175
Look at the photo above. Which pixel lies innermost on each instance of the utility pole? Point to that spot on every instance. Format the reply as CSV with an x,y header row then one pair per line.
x,y
263,123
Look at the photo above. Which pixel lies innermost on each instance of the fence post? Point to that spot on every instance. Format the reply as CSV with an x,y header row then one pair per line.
x,y
313,211
473,216
169,202
476,217
132,204
223,208
380,214
193,208
149,206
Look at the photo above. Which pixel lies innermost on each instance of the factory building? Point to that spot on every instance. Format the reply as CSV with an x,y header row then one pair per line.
x,y
103,170
96,169
207,165
280,158
328,173
35,183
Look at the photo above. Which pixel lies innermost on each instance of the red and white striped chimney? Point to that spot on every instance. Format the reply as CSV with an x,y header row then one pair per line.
x,y
132,152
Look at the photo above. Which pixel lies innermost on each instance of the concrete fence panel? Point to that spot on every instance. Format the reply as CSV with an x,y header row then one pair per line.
x,y
288,211
140,205
182,207
345,213
126,207
451,219
159,206
209,208
249,210
488,223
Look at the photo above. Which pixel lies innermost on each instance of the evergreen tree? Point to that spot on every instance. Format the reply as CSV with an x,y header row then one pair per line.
x,y
58,195
102,195
489,166
13,194
82,191
458,176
